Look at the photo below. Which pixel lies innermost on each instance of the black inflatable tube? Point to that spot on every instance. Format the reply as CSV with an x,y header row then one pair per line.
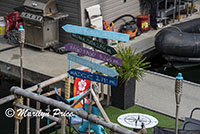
x,y
180,40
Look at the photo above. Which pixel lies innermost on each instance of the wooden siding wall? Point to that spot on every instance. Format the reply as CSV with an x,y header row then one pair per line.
x,y
112,9
71,7
7,6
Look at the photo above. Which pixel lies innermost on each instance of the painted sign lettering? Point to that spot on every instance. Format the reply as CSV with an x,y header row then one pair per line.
x,y
98,67
94,43
93,77
94,54
96,33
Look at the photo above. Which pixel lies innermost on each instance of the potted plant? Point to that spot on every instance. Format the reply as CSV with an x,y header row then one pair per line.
x,y
132,69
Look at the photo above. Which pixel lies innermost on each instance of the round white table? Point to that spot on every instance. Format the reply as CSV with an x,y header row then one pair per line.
x,y
135,120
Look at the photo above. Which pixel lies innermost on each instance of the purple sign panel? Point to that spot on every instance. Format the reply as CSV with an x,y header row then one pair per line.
x,y
94,54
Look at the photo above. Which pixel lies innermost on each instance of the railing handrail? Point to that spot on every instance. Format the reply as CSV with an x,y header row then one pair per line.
x,y
81,113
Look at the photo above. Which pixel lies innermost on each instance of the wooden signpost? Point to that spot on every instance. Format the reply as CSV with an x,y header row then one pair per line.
x,y
96,33
92,65
94,43
93,77
94,54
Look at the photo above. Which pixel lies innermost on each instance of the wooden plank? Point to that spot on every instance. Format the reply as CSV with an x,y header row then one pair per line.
x,y
48,126
96,33
65,107
94,43
51,92
108,95
100,106
93,77
95,66
79,99
94,54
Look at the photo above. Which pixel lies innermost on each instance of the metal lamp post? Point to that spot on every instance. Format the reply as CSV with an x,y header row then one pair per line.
x,y
178,93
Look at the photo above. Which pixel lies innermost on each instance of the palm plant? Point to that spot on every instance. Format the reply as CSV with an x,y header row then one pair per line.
x,y
133,64
132,69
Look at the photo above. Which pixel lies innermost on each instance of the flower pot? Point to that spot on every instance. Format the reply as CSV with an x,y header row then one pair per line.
x,y
123,96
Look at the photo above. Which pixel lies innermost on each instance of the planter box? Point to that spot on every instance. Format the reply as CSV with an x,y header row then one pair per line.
x,y
123,96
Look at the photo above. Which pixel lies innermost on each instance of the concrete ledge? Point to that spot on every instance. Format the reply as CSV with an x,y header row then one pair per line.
x,y
157,92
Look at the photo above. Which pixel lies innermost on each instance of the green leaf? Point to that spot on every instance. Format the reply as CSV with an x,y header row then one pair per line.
x,y
133,64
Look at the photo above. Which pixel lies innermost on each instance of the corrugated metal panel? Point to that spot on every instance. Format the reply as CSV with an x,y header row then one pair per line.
x,y
112,9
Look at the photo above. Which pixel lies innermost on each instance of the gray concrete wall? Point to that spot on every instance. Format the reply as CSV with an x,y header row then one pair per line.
x,y
157,92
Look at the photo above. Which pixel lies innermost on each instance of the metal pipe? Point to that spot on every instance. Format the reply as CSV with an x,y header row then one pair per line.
x,y
81,113
35,110
35,87
99,106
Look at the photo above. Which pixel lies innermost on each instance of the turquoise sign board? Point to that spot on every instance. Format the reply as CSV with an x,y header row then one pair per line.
x,y
96,33
94,54
95,43
95,66
93,77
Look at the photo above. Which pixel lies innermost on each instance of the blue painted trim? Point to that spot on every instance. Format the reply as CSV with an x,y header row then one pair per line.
x,y
96,33
74,98
56,90
21,28
95,66
179,77
48,121
69,66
